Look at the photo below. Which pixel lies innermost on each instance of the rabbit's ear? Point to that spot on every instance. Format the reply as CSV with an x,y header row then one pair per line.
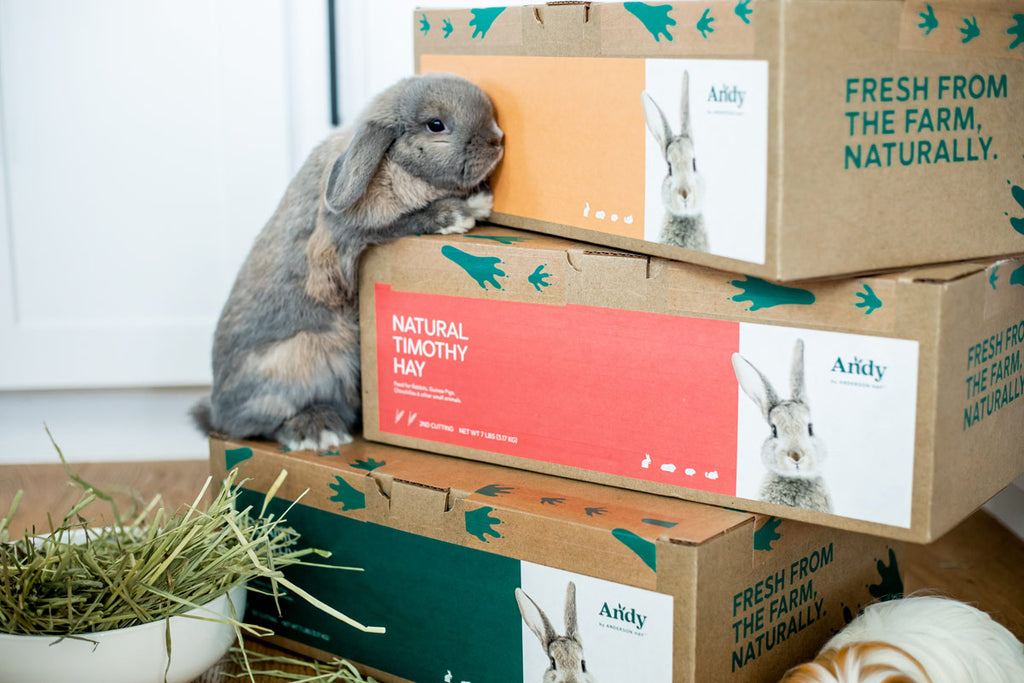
x,y
571,626
798,388
754,384
353,170
656,121
684,107
535,618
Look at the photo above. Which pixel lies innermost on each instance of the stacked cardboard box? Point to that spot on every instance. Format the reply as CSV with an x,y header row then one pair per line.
x,y
664,590
831,138
843,149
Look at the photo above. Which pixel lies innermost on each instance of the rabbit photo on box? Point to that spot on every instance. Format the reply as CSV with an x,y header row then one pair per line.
x,y
682,190
792,453
565,653
286,362
922,639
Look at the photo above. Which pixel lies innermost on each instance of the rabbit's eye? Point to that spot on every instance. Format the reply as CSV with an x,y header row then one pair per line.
x,y
810,430
553,665
583,665
775,432
694,164
436,126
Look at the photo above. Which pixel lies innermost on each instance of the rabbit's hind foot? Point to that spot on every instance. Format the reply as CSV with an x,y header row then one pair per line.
x,y
316,428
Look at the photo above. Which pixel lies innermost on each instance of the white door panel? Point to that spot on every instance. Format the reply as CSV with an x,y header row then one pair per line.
x,y
143,145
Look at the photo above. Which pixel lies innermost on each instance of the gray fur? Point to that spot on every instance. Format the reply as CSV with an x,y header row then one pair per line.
x,y
682,190
286,350
793,454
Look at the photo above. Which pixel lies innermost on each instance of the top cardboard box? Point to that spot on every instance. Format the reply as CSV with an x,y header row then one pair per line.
x,y
828,137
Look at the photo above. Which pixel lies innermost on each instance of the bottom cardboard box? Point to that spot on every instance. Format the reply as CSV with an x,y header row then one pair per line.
x,y
460,559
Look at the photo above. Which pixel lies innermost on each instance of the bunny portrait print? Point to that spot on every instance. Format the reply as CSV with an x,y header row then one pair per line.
x,y
706,155
792,454
682,191
579,629
825,421
286,348
565,652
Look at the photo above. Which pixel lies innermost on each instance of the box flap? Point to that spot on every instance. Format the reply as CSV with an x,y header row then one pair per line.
x,y
586,504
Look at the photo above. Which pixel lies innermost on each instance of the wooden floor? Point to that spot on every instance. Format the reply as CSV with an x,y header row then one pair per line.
x,y
980,561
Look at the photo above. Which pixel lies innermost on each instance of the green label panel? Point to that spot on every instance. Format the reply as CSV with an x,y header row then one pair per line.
x,y
445,607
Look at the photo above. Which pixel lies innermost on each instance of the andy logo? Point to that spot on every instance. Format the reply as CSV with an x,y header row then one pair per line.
x,y
727,94
621,613
861,367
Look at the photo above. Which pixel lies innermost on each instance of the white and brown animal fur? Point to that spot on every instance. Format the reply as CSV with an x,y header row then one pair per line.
x,y
923,639
682,190
792,454
286,351
566,663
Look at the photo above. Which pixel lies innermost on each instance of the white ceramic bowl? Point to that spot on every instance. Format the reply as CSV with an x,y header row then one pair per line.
x,y
128,655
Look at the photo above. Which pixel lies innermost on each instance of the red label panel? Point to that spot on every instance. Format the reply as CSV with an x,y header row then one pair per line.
x,y
642,395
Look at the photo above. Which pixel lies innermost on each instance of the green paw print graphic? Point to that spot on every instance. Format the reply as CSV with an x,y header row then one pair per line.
x,y
655,18
447,28
928,21
324,454
970,30
233,456
1017,192
763,294
595,512
369,464
1017,276
869,301
552,501
743,11
483,19
993,276
704,23
890,585
483,269
481,523
1016,30
349,497
659,522
767,534
538,278
644,549
495,490
424,24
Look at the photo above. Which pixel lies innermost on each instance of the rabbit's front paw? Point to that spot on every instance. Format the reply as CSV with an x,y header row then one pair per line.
x,y
454,216
480,204
455,223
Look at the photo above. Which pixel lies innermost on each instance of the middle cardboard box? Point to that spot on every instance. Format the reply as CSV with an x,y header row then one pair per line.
x,y
884,404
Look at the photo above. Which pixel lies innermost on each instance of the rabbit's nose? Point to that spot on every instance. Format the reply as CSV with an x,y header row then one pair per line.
x,y
497,136
795,456
684,194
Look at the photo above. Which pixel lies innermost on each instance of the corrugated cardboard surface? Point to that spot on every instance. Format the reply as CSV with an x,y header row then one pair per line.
x,y
826,91
964,438
750,595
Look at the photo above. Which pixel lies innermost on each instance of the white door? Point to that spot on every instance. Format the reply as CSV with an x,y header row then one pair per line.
x,y
143,146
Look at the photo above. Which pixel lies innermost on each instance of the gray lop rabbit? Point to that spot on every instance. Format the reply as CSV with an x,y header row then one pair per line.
x,y
792,453
565,653
286,360
682,190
